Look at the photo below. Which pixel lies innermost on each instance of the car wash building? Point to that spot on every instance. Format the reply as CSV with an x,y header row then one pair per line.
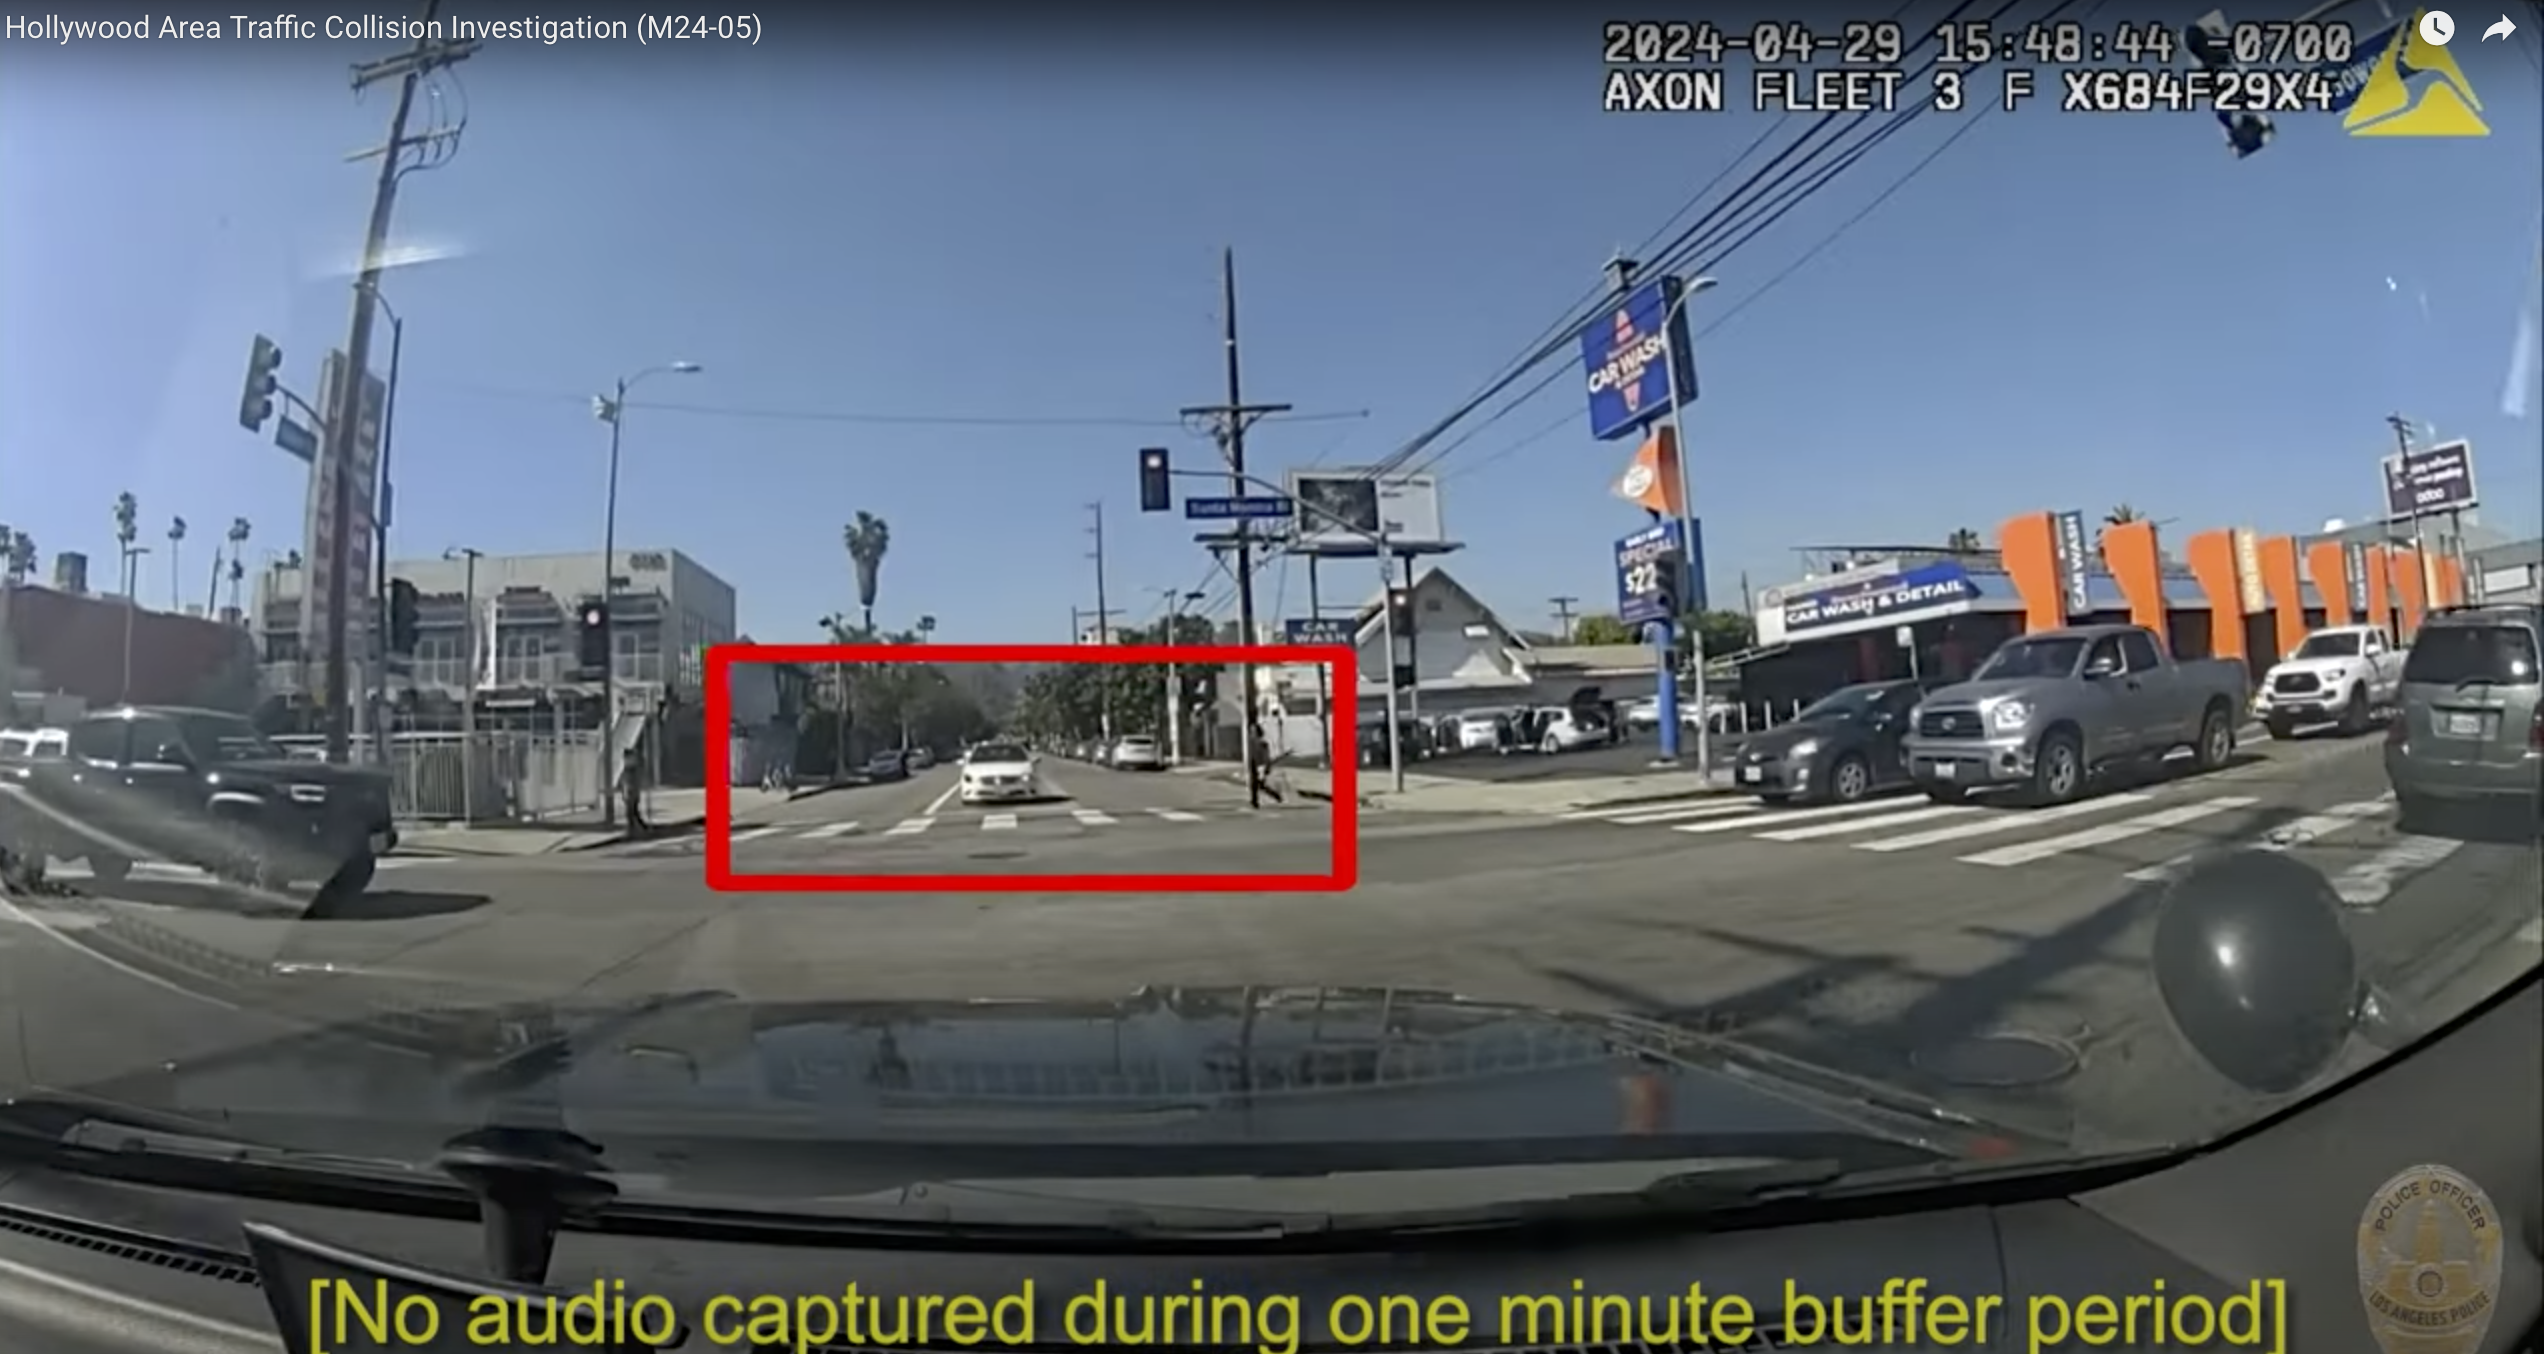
x,y
2230,593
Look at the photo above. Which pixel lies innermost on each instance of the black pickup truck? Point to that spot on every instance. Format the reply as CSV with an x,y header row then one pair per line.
x,y
201,788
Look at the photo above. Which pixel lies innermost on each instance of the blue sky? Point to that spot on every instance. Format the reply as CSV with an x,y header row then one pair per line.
x,y
2063,310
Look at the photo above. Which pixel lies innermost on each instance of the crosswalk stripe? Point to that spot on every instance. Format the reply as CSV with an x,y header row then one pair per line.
x,y
1887,820
998,822
909,827
2287,836
1615,812
832,830
1092,817
1176,815
2027,852
1683,811
754,834
1783,816
2001,820
2371,881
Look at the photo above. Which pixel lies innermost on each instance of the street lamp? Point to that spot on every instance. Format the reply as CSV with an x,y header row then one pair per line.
x,y
1688,291
612,410
467,676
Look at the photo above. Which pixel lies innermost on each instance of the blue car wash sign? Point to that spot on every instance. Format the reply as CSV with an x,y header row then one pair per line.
x,y
1629,360
1923,593
1647,573
1319,629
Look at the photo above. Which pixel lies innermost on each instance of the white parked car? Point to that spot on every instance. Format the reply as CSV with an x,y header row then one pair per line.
x,y
1000,772
1562,729
2344,674
1137,753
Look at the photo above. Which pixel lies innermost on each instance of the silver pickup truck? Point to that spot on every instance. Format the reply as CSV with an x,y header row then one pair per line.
x,y
2048,712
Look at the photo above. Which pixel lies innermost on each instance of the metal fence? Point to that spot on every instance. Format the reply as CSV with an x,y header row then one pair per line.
x,y
526,767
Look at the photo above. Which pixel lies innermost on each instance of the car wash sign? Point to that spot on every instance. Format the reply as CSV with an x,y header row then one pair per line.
x,y
1635,360
1925,592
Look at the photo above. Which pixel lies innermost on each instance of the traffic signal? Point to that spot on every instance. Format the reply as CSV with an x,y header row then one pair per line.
x,y
592,638
1157,490
256,402
402,616
1400,611
2211,47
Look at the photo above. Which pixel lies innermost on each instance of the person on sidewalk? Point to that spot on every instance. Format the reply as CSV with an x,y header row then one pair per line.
x,y
1263,782
631,784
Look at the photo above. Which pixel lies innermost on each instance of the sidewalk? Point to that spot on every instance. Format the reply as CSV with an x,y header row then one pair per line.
x,y
670,811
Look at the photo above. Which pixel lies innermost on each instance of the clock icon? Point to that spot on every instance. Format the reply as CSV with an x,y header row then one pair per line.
x,y
2437,27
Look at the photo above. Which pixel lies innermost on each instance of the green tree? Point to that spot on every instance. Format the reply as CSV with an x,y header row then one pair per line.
x,y
1963,541
1601,628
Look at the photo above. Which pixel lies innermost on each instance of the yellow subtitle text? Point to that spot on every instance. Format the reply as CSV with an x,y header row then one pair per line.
x,y
347,1316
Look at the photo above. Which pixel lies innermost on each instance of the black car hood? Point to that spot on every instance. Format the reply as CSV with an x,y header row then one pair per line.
x,y
279,769
1780,740
1212,1069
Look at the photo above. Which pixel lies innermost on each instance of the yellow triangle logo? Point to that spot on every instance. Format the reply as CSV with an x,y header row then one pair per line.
x,y
2447,105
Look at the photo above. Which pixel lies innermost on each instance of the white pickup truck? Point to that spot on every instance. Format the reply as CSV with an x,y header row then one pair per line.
x,y
2344,675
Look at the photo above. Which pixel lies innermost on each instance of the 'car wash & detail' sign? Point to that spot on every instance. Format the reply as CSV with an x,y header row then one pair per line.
x,y
1942,588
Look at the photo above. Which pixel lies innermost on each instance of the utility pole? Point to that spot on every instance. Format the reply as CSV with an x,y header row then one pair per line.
x,y
1563,616
345,412
1103,621
2419,534
1229,423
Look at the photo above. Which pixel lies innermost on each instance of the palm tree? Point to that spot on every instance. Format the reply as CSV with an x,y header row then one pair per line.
x,y
127,531
2120,515
176,540
237,537
1963,541
868,539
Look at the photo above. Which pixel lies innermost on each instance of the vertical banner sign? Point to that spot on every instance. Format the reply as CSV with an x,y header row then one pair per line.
x,y
319,518
2354,570
1645,564
1635,369
2074,565
2249,592
1699,598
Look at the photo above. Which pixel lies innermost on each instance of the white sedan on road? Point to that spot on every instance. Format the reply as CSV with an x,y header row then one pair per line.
x,y
1137,753
996,772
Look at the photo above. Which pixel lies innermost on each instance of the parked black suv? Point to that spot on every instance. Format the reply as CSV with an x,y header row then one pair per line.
x,y
201,788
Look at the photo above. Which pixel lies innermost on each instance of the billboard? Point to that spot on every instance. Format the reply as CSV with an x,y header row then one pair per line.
x,y
2424,483
1628,361
1942,588
1346,509
318,530
1648,567
2075,561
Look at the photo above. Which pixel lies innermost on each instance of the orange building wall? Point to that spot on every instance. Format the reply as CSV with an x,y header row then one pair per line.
x,y
2328,568
2029,546
2212,560
2410,591
2287,600
2380,591
2129,551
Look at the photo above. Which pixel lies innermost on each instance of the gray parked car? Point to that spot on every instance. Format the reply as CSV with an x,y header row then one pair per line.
x,y
2048,712
2469,727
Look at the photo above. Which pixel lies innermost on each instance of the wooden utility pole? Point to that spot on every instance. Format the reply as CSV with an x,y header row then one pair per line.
x,y
1563,616
344,412
1229,422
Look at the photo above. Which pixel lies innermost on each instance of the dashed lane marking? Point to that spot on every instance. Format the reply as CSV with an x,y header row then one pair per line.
x,y
1093,817
1783,816
2287,836
1176,815
1888,820
909,827
827,830
997,822
2371,881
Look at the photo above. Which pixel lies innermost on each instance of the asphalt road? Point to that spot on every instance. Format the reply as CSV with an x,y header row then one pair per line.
x,y
1931,948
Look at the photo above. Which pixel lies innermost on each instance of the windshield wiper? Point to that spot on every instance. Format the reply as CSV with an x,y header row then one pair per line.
x,y
83,1133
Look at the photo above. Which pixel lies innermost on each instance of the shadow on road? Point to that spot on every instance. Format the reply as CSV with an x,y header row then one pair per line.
x,y
378,904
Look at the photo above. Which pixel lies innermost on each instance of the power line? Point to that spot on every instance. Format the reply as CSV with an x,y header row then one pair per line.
x,y
785,415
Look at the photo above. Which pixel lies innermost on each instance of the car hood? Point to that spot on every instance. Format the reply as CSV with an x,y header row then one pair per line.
x,y
916,1085
1976,693
1781,739
303,772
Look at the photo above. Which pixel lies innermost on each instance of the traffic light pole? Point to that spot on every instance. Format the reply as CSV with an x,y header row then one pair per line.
x,y
345,414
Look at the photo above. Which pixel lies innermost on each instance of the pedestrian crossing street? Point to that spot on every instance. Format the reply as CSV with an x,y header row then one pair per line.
x,y
1975,834
966,821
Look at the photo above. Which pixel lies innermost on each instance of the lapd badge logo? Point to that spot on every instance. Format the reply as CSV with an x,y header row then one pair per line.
x,y
2429,1262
